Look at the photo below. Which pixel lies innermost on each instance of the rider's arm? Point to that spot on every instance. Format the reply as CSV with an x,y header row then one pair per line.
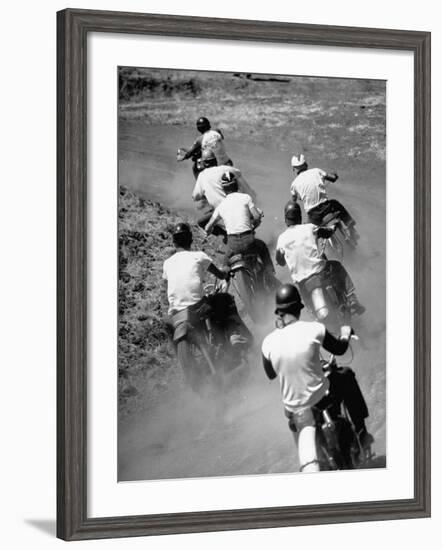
x,y
218,272
256,215
268,367
293,192
337,346
197,193
332,177
212,221
280,257
194,150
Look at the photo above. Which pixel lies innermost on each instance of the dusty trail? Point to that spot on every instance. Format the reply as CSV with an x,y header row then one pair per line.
x,y
246,432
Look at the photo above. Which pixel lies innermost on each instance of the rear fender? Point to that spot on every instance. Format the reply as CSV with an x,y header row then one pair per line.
x,y
237,262
249,262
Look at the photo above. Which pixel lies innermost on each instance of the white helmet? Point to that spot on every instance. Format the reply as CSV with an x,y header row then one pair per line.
x,y
298,160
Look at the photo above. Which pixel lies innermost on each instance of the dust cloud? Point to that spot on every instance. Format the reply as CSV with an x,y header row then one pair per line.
x,y
243,430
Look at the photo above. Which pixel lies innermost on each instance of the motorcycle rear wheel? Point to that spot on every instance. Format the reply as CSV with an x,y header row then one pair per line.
x,y
193,365
244,286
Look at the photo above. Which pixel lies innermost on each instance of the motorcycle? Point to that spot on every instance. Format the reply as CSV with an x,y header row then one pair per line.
x,y
325,301
248,279
343,239
337,442
210,339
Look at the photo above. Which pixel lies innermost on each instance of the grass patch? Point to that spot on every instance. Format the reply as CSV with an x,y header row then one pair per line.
x,y
146,361
328,117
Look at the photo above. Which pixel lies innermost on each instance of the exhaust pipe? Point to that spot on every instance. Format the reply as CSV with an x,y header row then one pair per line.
x,y
320,306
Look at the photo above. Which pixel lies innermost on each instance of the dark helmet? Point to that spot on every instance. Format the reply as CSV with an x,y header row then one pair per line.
x,y
203,124
182,235
229,182
288,300
292,213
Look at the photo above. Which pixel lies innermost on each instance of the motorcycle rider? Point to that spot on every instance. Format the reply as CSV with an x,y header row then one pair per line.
x,y
212,140
240,217
298,248
291,352
209,190
310,186
184,271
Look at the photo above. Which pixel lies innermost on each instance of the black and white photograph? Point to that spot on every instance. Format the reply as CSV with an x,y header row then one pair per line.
x,y
252,274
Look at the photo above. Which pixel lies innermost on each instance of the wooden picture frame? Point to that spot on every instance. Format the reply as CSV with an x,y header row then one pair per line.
x,y
73,27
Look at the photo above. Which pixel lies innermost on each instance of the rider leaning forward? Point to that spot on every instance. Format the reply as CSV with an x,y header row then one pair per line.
x,y
298,248
291,353
209,140
310,186
184,271
240,217
209,191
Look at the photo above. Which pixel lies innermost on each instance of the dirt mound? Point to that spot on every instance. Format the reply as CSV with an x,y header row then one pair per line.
x,y
146,360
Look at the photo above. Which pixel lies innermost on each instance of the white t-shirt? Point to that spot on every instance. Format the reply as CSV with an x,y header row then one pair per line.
x,y
294,354
235,213
213,141
310,186
208,184
184,273
299,245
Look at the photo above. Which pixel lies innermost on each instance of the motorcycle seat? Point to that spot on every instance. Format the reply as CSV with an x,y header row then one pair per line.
x,y
243,259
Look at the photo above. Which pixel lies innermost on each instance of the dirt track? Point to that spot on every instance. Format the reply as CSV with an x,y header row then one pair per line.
x,y
246,432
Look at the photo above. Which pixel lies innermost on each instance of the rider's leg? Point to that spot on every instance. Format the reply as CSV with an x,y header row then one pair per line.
x,y
308,458
317,214
238,244
217,230
264,254
336,206
342,280
302,424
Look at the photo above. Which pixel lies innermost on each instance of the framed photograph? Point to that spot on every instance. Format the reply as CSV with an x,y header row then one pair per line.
x,y
243,274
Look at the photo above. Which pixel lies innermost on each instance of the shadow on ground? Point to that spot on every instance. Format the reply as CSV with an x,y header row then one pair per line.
x,y
47,526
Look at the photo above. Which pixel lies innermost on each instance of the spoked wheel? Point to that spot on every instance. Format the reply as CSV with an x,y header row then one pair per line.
x,y
193,361
189,364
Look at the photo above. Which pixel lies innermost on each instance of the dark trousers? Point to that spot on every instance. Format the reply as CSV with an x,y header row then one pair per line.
x,y
248,244
339,276
345,388
317,214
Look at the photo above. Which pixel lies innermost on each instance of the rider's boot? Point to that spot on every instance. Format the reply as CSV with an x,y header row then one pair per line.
x,y
365,438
